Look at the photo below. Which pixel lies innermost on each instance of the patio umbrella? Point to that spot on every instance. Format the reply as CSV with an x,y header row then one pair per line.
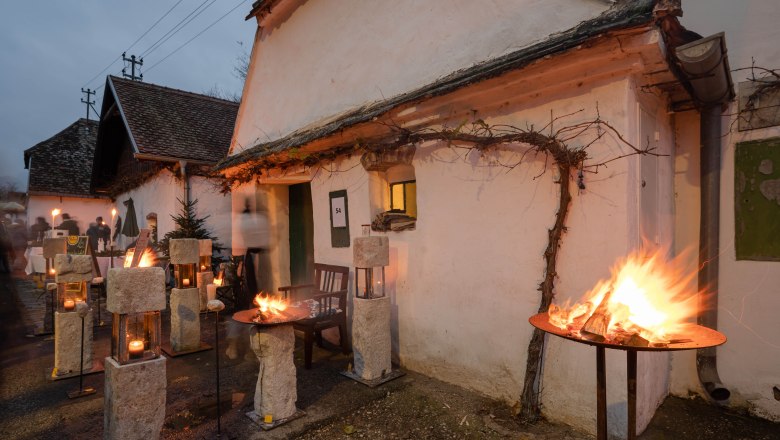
x,y
11,207
130,228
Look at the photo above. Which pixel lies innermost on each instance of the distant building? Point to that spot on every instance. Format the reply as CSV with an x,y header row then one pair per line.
x,y
156,145
60,173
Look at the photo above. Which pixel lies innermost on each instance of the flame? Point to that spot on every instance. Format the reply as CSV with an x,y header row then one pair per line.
x,y
650,297
269,304
217,281
55,212
148,258
113,212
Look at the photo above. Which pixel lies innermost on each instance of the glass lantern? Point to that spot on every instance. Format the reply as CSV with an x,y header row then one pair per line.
x,y
370,282
69,294
135,337
185,275
204,262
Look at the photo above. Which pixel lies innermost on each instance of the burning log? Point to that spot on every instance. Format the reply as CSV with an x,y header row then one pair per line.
x,y
596,326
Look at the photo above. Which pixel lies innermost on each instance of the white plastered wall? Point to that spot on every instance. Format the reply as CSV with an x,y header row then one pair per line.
x,y
749,297
329,60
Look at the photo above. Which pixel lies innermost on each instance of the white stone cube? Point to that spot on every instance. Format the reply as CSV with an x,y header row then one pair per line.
x,y
134,402
72,268
184,250
185,319
371,251
135,289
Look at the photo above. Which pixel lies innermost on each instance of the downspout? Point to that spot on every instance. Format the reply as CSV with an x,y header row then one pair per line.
x,y
185,180
704,67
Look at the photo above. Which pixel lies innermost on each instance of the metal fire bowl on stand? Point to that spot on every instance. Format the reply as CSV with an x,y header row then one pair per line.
x,y
288,316
694,337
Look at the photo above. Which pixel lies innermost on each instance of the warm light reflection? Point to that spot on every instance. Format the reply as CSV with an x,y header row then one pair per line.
x,y
650,296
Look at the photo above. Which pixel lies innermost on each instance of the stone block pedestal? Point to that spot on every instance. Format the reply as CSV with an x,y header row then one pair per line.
x,y
371,342
67,343
134,403
276,393
185,319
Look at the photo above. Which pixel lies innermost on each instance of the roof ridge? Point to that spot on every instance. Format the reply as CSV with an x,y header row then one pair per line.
x,y
174,90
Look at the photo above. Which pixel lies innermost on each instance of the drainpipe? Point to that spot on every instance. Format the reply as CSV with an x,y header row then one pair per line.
x,y
705,70
186,180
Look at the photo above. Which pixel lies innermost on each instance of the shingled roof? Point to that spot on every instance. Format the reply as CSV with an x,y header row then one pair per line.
x,y
175,124
62,164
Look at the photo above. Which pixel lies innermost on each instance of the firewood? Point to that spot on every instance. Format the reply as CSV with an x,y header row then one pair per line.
x,y
596,326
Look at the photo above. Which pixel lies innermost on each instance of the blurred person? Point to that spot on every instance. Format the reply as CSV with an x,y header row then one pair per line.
x,y
5,247
69,224
38,230
18,233
93,233
104,232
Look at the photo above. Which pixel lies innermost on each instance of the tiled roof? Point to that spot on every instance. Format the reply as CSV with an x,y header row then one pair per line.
x,y
62,164
173,123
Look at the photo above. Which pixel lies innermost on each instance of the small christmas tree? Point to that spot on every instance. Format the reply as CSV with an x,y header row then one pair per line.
x,y
189,226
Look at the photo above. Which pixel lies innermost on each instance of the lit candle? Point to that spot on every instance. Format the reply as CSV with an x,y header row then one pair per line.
x,y
218,282
135,348
69,305
211,291
185,282
202,268
51,271
113,214
54,213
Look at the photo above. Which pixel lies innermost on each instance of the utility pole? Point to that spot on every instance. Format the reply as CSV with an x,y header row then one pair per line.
x,y
133,62
88,101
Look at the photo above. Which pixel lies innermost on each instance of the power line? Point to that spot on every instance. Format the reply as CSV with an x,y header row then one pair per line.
x,y
131,46
178,27
196,35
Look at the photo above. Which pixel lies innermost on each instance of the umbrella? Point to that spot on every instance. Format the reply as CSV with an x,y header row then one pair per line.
x,y
11,207
130,227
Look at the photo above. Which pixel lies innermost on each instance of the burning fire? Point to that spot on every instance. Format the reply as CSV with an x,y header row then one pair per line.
x,y
217,281
147,258
267,305
646,301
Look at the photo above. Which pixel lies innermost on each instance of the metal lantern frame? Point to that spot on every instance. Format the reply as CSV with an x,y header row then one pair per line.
x,y
370,282
130,328
69,294
184,272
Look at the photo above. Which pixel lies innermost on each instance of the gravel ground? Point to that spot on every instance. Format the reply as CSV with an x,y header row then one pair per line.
x,y
413,406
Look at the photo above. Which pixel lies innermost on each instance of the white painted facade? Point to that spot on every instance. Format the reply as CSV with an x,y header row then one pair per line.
x,y
749,299
160,195
464,282
82,209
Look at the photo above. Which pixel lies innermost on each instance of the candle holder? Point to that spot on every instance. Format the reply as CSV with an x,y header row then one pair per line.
x,y
135,297
205,275
185,299
135,337
371,343
71,350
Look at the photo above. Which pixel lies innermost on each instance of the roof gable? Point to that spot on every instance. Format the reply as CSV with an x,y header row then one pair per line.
x,y
174,124
62,164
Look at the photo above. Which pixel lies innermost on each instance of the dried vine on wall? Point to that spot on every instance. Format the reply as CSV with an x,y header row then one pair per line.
x,y
570,160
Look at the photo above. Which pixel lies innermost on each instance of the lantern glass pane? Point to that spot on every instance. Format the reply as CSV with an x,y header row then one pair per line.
x,y
185,276
69,294
370,282
135,337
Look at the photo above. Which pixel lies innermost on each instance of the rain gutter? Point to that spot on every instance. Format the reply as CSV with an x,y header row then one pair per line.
x,y
704,66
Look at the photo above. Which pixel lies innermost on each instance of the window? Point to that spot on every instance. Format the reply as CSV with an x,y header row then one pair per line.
x,y
403,197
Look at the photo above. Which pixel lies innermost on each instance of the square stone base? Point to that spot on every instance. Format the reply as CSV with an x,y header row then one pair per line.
x,y
373,383
371,337
67,343
185,319
258,419
134,402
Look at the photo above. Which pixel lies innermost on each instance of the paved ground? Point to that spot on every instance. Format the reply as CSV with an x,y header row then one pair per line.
x,y
413,406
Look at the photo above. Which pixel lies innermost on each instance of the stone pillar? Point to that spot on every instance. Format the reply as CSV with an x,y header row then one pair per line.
x,y
276,392
204,279
371,337
134,402
67,343
185,319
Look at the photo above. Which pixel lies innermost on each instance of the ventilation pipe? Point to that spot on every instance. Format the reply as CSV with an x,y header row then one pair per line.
x,y
705,68
185,180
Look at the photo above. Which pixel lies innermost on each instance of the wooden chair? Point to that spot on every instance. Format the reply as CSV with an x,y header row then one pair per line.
x,y
328,299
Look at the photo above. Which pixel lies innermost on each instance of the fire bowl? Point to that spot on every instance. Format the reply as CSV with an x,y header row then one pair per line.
x,y
289,315
693,337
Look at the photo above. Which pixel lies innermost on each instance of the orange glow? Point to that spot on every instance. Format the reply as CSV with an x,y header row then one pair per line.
x,y
113,212
218,281
148,258
55,212
650,297
270,305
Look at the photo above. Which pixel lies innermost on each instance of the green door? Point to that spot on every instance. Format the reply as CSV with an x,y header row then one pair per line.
x,y
301,234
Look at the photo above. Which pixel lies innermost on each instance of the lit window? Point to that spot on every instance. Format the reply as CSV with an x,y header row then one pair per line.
x,y
403,197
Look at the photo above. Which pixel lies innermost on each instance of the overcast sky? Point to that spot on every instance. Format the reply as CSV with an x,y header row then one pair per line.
x,y
49,50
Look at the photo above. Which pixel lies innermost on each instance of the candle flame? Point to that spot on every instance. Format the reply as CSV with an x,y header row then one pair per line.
x,y
55,212
113,212
217,281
